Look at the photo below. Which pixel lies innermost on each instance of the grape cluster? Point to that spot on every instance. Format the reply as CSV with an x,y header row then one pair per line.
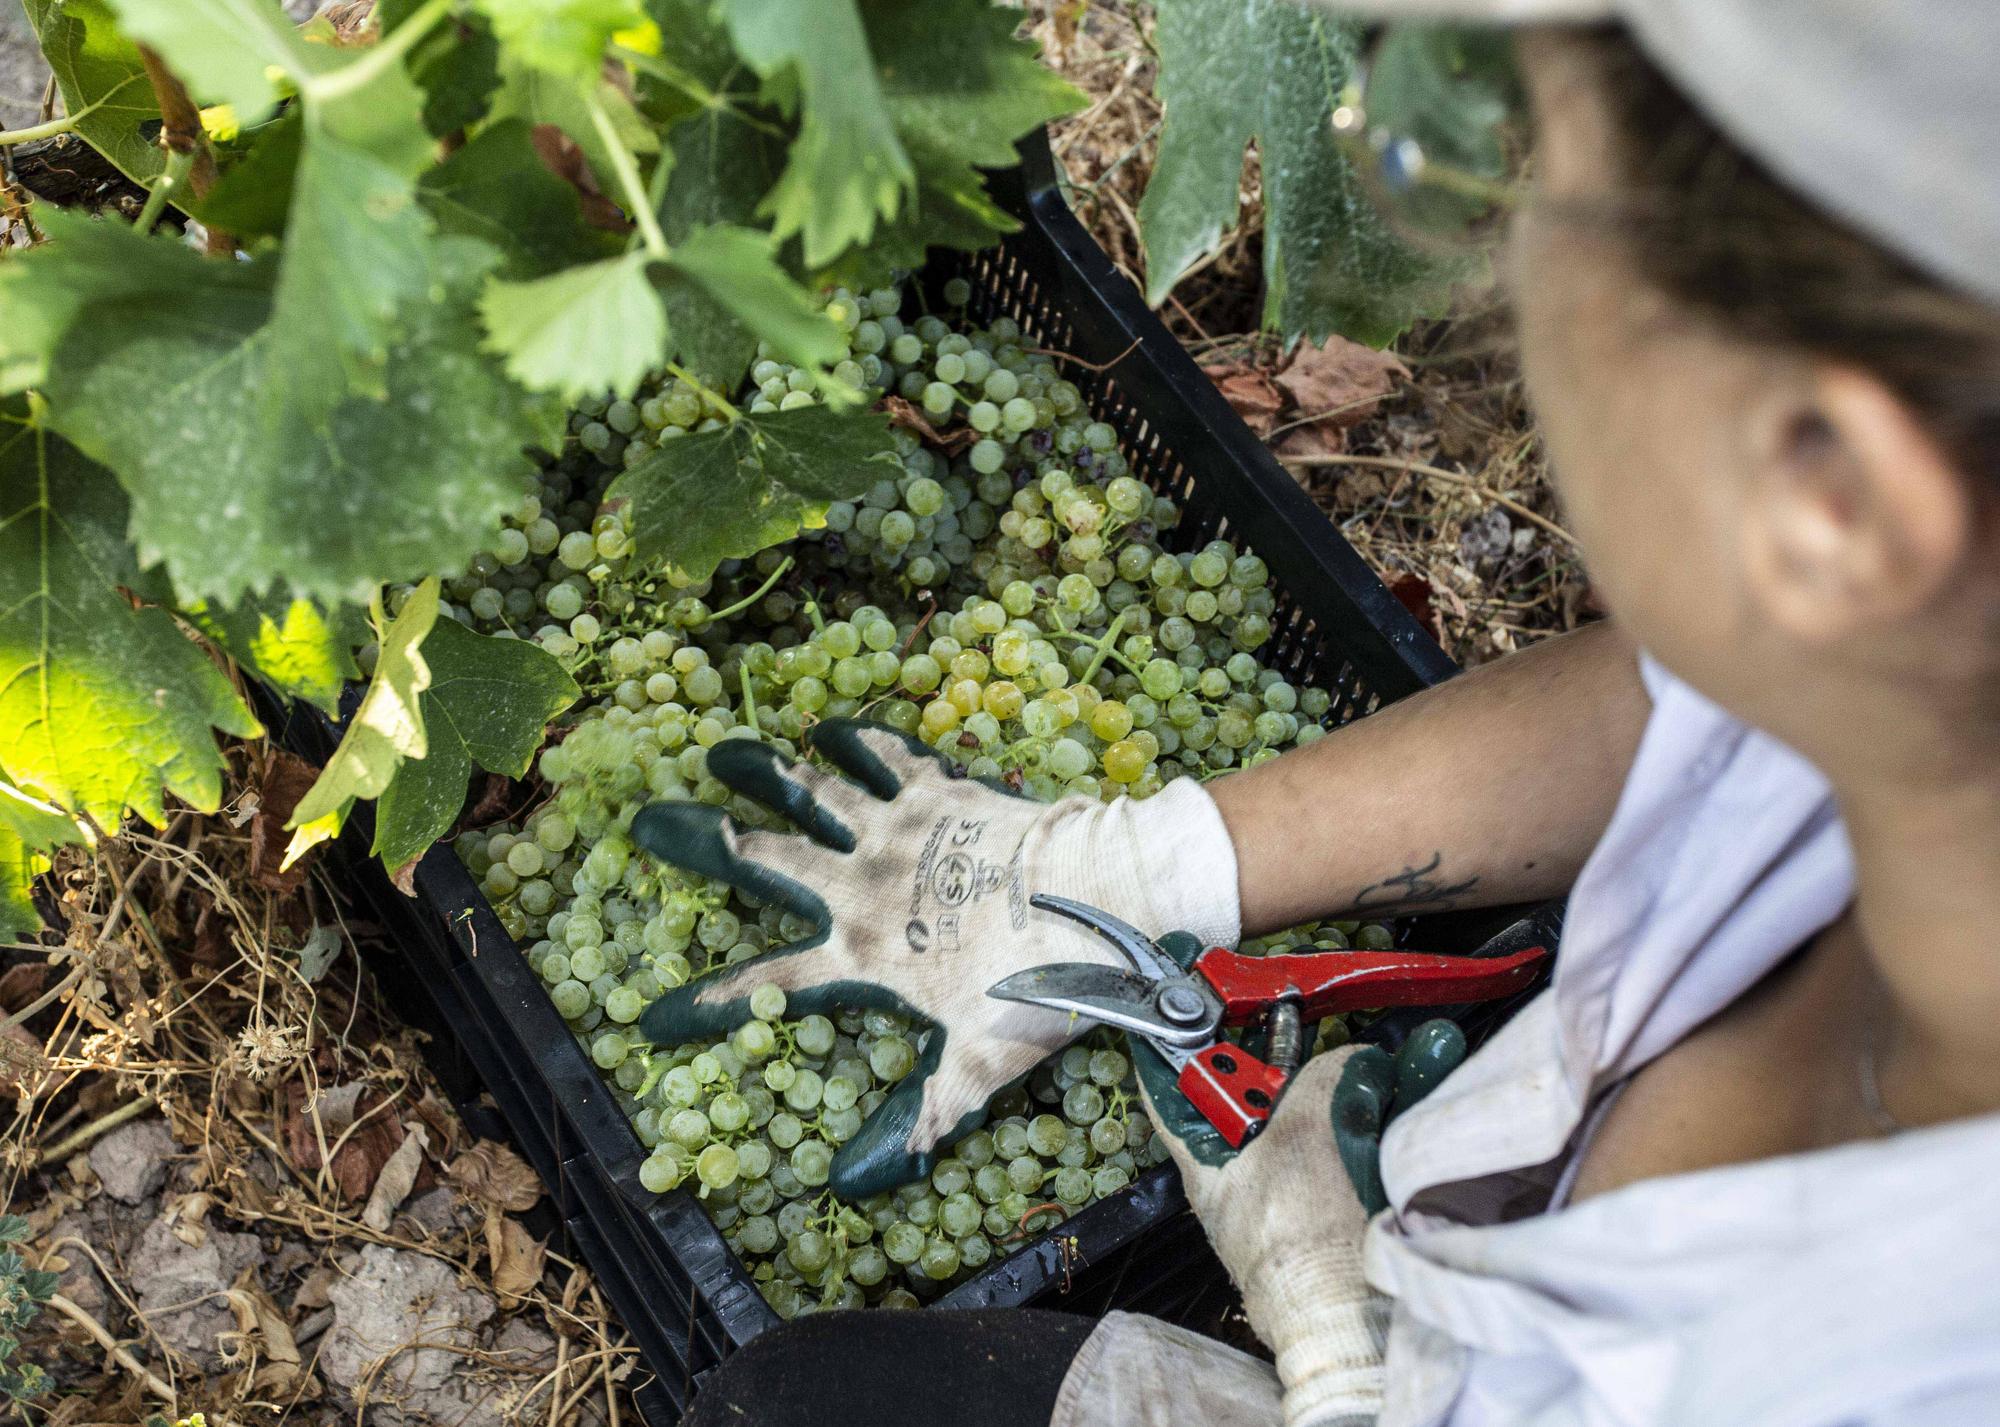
x,y
1010,599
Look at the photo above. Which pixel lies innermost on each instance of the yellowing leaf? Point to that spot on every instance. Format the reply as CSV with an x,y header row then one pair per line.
x,y
388,726
103,707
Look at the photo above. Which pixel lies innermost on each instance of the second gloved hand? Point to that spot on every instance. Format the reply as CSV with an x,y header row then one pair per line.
x,y
916,882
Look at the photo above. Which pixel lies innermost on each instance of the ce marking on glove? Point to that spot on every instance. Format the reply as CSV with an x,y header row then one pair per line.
x,y
924,937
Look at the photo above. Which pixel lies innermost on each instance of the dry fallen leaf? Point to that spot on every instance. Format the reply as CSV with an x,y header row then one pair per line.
x,y
285,780
360,1159
21,984
1250,392
493,1174
393,1184
1340,381
516,1256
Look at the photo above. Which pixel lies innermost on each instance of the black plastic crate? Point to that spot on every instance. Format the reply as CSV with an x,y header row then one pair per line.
x,y
684,1298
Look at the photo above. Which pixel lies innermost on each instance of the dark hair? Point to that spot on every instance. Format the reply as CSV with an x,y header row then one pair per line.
x,y
1718,232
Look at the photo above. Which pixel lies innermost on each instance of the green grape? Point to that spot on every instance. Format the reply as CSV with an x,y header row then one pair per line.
x,y
903,1243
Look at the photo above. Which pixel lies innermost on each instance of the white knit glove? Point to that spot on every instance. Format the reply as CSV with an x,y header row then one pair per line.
x,y
1286,1223
917,880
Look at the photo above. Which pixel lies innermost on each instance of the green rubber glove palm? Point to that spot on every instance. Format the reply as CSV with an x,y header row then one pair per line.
x,y
916,883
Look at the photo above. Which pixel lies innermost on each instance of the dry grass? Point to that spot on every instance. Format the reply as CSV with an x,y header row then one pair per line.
x,y
179,986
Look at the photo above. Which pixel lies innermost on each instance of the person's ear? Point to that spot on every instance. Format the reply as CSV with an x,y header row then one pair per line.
x,y
1855,517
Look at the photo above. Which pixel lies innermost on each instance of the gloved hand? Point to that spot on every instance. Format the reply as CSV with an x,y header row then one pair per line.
x,y
916,881
1284,1215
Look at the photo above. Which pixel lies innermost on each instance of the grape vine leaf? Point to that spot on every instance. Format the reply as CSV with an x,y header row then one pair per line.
x,y
30,830
166,371
594,328
293,645
235,52
739,277
496,188
738,489
970,111
489,702
1233,71
848,167
103,82
254,194
724,162
539,96
103,707
566,37
355,250
457,66
387,727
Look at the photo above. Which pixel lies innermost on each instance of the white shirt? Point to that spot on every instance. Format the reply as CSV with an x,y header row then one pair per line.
x,y
1855,1285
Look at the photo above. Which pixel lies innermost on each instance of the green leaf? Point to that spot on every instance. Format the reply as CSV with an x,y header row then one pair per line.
x,y
29,830
497,189
972,110
387,727
595,328
457,65
356,238
167,372
848,167
103,707
291,644
562,36
538,96
739,275
1233,71
102,80
734,491
234,52
489,702
724,162
254,194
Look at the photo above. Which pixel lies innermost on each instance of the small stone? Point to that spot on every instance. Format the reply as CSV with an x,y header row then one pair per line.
x,y
131,1161
394,1299
180,1287
435,1210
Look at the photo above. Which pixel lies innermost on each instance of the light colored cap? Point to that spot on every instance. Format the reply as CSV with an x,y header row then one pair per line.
x,y
1884,112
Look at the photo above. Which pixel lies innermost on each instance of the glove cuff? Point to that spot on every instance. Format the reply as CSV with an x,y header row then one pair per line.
x,y
1327,1329
1171,856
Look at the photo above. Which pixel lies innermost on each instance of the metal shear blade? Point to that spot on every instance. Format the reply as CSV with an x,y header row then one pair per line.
x,y
1145,955
1108,996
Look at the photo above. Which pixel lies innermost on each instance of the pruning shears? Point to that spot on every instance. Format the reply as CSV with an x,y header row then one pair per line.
x,y
1182,1009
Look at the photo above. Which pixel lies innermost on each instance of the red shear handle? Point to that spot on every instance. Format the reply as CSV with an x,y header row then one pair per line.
x,y
1234,1090
1328,982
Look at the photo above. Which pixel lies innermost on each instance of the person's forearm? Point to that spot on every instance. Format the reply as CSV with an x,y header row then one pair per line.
x,y
1491,788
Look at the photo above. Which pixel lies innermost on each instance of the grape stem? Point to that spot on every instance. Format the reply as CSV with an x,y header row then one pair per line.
x,y
812,613
749,699
708,394
179,163
749,599
1104,644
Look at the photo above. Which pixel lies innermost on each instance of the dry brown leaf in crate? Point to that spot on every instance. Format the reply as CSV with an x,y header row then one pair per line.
x,y
492,1173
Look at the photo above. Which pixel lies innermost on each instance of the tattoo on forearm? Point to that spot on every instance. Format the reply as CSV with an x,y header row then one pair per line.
x,y
1413,888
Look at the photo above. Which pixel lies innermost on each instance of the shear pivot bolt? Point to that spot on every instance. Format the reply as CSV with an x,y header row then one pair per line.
x,y
1181,1005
